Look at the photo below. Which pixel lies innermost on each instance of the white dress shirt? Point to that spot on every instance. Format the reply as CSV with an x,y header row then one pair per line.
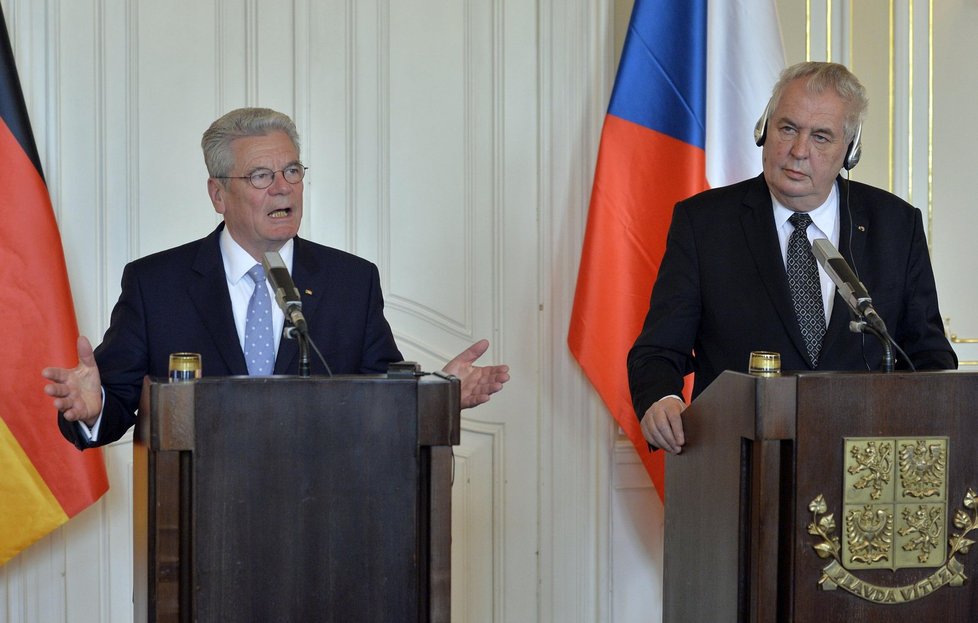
x,y
237,263
825,224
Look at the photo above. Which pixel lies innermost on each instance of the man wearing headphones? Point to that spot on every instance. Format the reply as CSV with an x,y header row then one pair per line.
x,y
738,274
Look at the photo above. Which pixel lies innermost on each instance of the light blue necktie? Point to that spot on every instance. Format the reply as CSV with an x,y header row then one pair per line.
x,y
259,347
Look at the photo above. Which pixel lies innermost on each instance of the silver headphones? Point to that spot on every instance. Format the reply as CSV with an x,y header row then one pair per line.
x,y
853,153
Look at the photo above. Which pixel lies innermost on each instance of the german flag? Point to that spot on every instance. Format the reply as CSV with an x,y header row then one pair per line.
x,y
44,480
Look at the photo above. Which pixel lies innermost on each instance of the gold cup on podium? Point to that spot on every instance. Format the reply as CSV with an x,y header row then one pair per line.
x,y
764,363
184,367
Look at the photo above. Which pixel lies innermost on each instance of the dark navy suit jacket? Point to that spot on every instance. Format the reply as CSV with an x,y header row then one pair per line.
x,y
722,291
177,300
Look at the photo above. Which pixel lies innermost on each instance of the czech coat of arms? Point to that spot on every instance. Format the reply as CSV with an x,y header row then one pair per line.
x,y
894,516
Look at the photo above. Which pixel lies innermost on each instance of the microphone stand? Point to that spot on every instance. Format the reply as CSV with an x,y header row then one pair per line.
x,y
294,334
861,326
854,293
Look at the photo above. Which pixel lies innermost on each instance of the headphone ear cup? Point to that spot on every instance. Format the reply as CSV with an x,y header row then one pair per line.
x,y
760,130
854,151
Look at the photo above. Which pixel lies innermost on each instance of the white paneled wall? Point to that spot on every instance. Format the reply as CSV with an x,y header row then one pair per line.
x,y
453,143
422,124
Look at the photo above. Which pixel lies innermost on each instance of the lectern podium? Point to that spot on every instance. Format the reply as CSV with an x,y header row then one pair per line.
x,y
819,497
295,499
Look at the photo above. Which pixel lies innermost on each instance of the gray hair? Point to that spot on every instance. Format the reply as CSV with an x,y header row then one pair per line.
x,y
240,123
822,76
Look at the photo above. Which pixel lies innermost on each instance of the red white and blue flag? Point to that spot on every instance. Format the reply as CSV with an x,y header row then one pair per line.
x,y
693,78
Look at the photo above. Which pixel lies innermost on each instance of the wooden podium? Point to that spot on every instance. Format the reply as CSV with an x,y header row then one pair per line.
x,y
295,499
745,523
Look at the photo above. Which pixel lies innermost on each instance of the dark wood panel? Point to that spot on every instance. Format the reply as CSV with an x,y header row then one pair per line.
x,y
298,500
759,451
832,407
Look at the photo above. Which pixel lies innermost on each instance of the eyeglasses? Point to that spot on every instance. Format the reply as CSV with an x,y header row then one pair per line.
x,y
263,178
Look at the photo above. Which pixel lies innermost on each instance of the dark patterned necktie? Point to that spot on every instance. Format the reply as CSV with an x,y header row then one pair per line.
x,y
806,291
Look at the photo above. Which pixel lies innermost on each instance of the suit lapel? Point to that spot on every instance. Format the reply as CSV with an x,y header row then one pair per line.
x,y
852,220
305,274
762,240
208,291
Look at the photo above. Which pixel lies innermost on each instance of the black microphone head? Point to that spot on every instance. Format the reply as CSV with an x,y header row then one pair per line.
x,y
272,260
286,294
278,276
849,285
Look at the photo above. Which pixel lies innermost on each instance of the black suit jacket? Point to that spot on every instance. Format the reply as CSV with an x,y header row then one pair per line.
x,y
722,291
177,300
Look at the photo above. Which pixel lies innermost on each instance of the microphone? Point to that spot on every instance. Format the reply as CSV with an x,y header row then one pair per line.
x,y
286,294
851,289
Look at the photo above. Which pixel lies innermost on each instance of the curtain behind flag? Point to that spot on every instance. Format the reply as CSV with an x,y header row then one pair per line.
x,y
44,480
653,153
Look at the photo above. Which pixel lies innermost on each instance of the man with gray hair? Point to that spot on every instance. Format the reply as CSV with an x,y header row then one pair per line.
x,y
738,274
211,296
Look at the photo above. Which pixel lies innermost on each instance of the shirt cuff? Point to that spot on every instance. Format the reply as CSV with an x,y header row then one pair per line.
x,y
91,434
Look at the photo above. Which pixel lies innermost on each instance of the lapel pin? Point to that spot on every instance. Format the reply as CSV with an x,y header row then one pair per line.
x,y
859,227
309,292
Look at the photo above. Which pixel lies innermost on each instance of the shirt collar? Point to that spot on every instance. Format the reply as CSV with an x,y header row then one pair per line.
x,y
237,261
825,217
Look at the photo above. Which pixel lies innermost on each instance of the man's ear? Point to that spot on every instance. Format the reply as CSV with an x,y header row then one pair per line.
x,y
215,190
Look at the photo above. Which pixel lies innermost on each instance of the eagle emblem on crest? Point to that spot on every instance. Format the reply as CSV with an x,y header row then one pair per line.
x,y
922,468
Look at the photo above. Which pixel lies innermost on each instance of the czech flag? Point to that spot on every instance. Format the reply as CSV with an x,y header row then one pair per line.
x,y
44,480
693,79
